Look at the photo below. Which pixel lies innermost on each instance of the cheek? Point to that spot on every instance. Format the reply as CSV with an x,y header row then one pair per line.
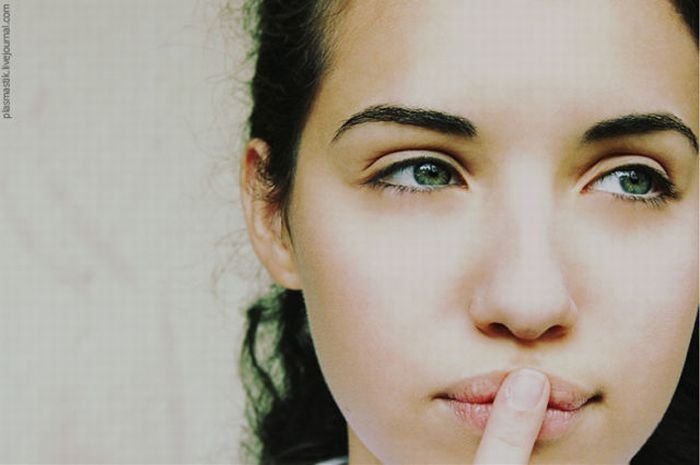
x,y
638,295
638,270
371,261
380,292
370,282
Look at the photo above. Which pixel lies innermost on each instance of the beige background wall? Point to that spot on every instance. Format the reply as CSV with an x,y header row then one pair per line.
x,y
117,208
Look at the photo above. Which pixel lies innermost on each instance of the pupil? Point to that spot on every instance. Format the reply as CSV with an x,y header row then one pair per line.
x,y
635,182
429,174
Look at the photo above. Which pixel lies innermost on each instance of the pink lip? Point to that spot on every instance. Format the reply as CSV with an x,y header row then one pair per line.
x,y
472,398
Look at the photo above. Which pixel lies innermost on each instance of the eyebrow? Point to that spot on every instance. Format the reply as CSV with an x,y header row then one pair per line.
x,y
644,123
419,117
627,125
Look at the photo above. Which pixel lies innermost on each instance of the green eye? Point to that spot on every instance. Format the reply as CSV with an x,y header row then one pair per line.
x,y
418,175
430,174
636,182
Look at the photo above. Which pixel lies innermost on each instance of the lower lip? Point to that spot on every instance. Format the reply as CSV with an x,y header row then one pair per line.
x,y
556,422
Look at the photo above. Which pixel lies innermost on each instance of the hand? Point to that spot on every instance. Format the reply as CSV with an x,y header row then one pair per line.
x,y
515,420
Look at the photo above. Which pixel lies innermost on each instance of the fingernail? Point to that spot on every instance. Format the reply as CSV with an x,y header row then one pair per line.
x,y
525,390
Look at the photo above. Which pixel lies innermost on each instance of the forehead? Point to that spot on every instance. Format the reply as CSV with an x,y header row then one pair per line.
x,y
487,56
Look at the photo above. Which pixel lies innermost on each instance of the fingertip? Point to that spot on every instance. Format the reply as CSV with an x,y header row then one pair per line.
x,y
516,418
526,389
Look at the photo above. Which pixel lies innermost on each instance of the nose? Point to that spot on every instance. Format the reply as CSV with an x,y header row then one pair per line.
x,y
524,294
527,300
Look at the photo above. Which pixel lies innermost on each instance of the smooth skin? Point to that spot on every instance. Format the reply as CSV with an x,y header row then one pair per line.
x,y
535,252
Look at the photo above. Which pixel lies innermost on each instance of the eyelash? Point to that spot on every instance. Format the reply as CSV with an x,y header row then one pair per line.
x,y
376,181
666,189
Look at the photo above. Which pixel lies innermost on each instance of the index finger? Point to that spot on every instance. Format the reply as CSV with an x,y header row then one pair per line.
x,y
516,418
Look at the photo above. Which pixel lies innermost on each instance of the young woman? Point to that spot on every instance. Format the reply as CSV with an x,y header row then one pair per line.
x,y
482,217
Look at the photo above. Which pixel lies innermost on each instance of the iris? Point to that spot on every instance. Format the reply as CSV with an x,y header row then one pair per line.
x,y
430,174
635,182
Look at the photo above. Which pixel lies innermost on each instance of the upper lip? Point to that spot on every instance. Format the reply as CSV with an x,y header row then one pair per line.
x,y
482,389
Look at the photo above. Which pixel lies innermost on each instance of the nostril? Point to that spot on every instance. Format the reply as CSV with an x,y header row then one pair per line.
x,y
501,330
498,329
554,332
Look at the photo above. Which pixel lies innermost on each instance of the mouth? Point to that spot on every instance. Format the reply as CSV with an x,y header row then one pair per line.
x,y
471,400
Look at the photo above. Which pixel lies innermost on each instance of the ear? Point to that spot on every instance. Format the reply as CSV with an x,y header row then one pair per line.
x,y
263,220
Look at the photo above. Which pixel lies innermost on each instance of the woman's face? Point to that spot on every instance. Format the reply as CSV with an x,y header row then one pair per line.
x,y
548,219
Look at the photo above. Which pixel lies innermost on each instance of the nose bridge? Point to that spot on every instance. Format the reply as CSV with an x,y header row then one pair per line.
x,y
526,205
525,290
